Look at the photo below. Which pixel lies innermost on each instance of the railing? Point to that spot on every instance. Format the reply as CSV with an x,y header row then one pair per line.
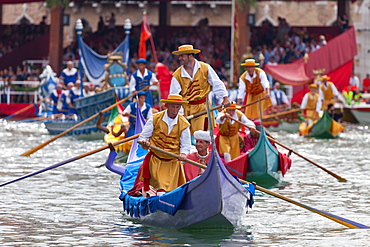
x,y
43,63
7,93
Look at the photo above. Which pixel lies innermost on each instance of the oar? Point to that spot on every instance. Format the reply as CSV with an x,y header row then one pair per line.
x,y
356,127
303,157
25,109
28,153
70,160
340,220
281,113
218,107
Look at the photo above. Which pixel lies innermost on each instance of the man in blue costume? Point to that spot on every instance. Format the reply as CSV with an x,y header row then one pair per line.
x,y
143,78
69,74
130,111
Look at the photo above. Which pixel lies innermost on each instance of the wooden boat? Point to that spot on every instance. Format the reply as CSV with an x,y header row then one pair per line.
x,y
288,121
324,128
264,164
214,199
86,107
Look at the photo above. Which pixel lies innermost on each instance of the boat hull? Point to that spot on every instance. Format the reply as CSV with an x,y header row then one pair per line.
x,y
324,128
213,200
9,109
361,113
284,126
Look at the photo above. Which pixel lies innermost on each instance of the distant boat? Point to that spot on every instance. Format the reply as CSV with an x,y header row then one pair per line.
x,y
264,164
362,113
324,128
86,107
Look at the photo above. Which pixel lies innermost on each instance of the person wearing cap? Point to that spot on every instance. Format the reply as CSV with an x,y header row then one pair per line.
x,y
253,85
142,78
193,81
130,111
167,130
202,143
55,95
311,103
69,74
250,140
328,91
227,141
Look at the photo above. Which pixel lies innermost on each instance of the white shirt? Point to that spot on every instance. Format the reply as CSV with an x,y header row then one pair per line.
x,y
143,108
243,119
218,86
333,88
184,137
354,81
305,100
264,82
139,74
277,93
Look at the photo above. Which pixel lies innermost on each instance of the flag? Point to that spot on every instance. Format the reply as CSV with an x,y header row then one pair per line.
x,y
144,36
116,111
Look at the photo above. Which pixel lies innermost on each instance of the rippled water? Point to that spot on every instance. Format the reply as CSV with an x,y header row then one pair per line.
x,y
77,204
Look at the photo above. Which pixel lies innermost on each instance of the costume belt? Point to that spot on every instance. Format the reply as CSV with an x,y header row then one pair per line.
x,y
257,92
116,75
197,102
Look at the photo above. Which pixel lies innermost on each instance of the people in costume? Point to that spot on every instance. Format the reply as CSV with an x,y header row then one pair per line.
x,y
203,141
55,95
130,111
142,78
253,85
227,140
278,98
193,81
328,91
169,131
311,103
69,74
250,140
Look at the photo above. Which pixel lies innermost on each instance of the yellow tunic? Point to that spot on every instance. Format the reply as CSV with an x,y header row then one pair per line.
x,y
193,91
328,95
166,172
254,91
228,137
311,105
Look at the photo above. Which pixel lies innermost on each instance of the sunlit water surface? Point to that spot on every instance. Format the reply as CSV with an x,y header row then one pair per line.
x,y
77,204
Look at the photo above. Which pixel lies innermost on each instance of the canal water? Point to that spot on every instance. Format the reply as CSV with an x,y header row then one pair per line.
x,y
77,204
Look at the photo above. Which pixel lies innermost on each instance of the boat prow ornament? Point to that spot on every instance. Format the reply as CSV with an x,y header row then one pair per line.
x,y
116,75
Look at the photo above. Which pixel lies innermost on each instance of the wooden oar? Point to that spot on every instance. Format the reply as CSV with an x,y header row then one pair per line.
x,y
218,107
303,157
70,160
281,113
340,220
25,109
251,103
28,153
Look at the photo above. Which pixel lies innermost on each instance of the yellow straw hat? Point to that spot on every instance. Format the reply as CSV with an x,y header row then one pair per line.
x,y
325,78
312,86
250,63
233,106
174,99
186,49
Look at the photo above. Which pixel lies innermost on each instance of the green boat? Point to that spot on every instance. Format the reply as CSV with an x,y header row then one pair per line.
x,y
262,165
324,128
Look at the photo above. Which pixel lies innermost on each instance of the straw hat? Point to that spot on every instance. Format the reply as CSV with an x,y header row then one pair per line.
x,y
174,99
325,78
312,86
186,49
250,63
233,106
